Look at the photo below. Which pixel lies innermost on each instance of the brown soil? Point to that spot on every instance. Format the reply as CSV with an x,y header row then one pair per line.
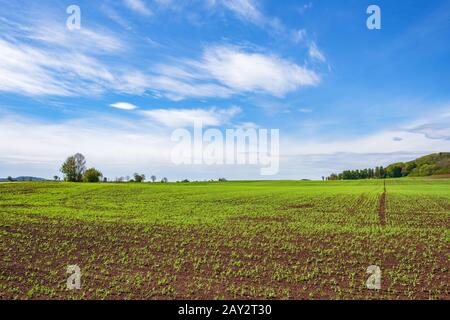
x,y
128,261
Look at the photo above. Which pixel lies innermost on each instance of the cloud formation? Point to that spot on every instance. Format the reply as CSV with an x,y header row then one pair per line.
x,y
119,146
245,9
176,118
51,60
138,6
124,106
226,70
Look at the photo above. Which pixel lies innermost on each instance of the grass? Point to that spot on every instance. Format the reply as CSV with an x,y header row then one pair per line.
x,y
231,240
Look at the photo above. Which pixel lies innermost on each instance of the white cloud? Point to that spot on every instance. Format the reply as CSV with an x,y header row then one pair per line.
x,y
46,59
176,118
124,106
379,142
245,71
302,9
85,39
119,148
30,141
115,16
305,110
138,6
433,128
222,71
315,53
50,65
247,125
33,71
299,35
226,70
245,9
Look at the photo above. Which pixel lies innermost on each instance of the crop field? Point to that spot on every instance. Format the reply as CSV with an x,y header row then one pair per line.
x,y
230,240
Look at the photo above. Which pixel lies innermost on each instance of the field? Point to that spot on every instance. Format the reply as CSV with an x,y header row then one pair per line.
x,y
231,240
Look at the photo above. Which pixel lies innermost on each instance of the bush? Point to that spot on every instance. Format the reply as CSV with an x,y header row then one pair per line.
x,y
139,177
92,175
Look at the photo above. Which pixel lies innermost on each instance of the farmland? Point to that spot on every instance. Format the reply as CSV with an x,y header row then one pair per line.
x,y
230,240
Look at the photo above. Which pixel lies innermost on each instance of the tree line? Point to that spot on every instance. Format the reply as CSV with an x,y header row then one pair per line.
x,y
432,164
74,170
369,173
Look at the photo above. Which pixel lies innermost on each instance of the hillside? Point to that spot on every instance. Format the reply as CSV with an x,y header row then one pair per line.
x,y
430,165
23,178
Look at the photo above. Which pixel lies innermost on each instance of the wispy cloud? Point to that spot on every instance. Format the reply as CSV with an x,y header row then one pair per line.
x,y
299,35
433,128
32,71
138,6
85,39
176,118
302,9
42,58
115,16
50,60
118,146
245,9
238,71
315,53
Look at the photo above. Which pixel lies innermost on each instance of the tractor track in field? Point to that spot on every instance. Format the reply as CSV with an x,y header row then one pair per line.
x,y
382,207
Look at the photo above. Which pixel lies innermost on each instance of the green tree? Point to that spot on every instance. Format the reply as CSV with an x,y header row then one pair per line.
x,y
395,170
139,177
73,168
92,175
69,169
333,176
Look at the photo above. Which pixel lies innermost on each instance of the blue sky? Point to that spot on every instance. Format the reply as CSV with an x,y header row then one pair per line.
x,y
343,96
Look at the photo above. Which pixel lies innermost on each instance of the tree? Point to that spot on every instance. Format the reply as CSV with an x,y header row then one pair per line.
x,y
333,176
69,169
80,166
56,178
164,180
153,178
73,168
395,170
139,177
10,178
92,175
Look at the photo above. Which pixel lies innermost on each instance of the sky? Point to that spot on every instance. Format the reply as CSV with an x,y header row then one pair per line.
x,y
342,96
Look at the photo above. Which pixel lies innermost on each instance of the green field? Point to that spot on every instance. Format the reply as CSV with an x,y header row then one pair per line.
x,y
230,240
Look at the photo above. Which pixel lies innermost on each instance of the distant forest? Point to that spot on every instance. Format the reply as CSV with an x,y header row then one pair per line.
x,y
433,164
